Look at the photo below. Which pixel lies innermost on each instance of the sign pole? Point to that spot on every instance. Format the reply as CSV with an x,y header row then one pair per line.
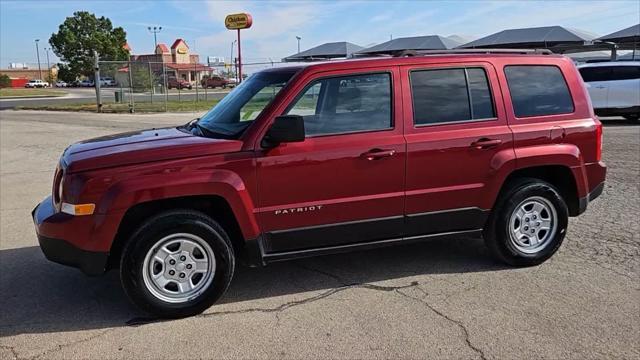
x,y
239,59
237,22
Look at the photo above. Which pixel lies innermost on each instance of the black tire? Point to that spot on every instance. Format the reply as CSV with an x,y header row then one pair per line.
x,y
497,232
634,119
149,234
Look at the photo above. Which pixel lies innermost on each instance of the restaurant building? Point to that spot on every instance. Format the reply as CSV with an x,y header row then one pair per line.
x,y
178,59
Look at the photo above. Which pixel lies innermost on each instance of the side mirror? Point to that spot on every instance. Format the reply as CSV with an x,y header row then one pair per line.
x,y
285,128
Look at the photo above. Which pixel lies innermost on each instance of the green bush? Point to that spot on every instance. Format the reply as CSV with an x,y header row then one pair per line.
x,y
5,81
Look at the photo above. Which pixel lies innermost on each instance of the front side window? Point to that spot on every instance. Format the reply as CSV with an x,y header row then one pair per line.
x,y
450,95
538,90
233,114
345,104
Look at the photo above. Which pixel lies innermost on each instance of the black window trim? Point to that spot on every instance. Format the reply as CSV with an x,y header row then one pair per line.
x,y
513,109
491,93
326,77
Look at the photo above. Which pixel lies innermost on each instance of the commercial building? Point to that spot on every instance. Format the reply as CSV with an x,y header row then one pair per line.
x,y
20,75
178,60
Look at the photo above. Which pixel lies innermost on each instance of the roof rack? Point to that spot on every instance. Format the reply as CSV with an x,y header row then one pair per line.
x,y
406,53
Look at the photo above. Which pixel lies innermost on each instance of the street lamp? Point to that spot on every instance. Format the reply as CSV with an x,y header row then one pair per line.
x,y
298,38
231,57
48,66
155,30
38,55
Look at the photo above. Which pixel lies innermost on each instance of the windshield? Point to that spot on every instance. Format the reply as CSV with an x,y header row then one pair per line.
x,y
233,114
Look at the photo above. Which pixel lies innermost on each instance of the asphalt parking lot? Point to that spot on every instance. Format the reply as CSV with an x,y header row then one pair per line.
x,y
441,299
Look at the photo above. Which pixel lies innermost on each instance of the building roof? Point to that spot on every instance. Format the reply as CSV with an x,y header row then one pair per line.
x,y
630,34
341,49
126,47
191,67
429,42
177,42
546,37
163,48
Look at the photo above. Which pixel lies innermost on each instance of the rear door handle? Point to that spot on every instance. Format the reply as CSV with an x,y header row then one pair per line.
x,y
377,154
485,143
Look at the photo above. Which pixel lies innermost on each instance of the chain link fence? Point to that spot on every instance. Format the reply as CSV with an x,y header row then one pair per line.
x,y
137,86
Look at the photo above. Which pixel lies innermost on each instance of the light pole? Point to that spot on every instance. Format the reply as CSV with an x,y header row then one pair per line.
x,y
38,55
231,57
298,38
48,66
155,30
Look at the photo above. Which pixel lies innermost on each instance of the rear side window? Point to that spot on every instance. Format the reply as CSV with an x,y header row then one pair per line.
x,y
625,73
345,104
600,73
450,95
538,90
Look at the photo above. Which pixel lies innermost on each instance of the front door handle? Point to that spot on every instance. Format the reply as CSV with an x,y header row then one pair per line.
x,y
485,143
377,154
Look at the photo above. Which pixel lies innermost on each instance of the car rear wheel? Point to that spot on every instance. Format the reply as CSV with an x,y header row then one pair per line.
x,y
528,224
177,264
633,118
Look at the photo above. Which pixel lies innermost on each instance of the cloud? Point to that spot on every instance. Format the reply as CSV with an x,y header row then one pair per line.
x,y
380,18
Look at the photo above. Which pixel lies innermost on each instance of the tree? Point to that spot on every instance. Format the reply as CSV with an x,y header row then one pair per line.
x,y
5,81
65,74
79,36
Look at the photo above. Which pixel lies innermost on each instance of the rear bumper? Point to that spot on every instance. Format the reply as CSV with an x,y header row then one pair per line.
x,y
584,202
48,223
596,174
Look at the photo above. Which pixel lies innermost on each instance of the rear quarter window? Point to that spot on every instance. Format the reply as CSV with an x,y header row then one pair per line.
x,y
538,90
626,73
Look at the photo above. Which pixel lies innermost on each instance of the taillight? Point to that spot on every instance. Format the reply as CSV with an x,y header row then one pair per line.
x,y
599,138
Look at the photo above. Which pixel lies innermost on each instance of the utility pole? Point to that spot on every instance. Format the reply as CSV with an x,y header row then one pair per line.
x,y
155,30
50,79
96,79
298,38
231,56
38,55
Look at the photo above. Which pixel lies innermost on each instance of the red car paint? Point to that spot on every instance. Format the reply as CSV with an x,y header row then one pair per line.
x,y
328,179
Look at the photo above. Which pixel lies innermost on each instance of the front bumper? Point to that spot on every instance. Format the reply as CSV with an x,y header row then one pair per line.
x,y
50,224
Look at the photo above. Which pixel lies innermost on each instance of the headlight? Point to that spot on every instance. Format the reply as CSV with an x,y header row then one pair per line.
x,y
57,186
59,190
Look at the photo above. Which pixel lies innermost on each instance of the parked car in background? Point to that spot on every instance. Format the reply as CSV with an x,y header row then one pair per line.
x,y
36,84
87,83
61,84
107,81
175,83
214,82
614,88
231,82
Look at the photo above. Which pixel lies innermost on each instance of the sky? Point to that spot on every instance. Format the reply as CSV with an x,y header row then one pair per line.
x,y
277,23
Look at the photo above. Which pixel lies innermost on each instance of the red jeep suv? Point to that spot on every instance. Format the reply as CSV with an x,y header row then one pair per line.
x,y
332,157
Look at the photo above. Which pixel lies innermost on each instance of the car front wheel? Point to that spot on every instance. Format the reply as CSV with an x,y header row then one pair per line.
x,y
177,264
528,224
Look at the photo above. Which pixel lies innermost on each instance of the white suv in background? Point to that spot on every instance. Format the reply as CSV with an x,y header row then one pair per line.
x,y
614,88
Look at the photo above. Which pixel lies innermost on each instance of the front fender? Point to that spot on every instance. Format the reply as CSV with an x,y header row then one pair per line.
x,y
224,183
